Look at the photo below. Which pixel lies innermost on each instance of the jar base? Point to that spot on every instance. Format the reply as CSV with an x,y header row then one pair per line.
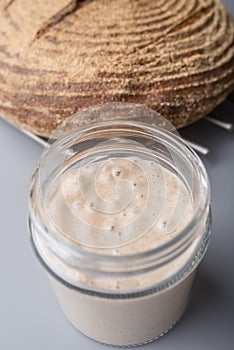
x,y
131,345
75,304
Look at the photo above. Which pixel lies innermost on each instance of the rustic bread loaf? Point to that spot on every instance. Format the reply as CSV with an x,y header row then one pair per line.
x,y
58,56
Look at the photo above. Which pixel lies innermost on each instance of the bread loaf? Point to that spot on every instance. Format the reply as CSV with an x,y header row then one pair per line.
x,y
58,56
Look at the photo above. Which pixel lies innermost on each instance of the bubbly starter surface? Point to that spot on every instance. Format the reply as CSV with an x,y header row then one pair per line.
x,y
119,206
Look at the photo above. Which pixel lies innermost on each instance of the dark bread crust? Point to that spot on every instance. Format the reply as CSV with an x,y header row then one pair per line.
x,y
174,56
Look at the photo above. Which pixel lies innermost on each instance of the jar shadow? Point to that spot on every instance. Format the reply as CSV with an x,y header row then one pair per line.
x,y
205,295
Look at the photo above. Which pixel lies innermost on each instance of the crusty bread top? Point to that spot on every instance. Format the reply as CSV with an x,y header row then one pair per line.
x,y
57,56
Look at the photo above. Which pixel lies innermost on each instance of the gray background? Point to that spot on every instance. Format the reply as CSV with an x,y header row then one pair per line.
x,y
29,314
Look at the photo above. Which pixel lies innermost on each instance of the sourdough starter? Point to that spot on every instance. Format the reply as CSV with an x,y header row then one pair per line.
x,y
120,207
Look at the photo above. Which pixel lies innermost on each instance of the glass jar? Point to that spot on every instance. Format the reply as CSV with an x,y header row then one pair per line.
x,y
120,291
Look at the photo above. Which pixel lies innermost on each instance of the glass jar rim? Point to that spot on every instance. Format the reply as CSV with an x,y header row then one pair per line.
x,y
67,249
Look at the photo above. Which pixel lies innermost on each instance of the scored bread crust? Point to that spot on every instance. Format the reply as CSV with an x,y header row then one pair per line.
x,y
56,57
